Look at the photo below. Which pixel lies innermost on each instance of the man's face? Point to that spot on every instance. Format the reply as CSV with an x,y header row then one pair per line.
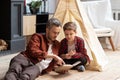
x,y
70,35
53,33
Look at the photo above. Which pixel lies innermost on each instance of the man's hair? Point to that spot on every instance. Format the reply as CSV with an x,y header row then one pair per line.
x,y
53,22
70,26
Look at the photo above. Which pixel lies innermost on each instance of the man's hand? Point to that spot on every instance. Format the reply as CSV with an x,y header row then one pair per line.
x,y
62,72
59,60
56,58
59,71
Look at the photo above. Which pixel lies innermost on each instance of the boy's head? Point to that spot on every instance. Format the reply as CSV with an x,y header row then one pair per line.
x,y
70,26
70,31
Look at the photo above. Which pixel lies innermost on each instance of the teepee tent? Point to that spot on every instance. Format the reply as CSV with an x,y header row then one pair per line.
x,y
72,10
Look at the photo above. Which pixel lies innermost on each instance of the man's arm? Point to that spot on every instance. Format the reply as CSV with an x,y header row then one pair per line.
x,y
34,47
56,58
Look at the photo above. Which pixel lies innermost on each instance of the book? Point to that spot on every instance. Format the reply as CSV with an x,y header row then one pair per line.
x,y
66,67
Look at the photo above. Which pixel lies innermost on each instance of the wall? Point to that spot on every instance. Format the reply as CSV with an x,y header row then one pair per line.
x,y
115,4
51,6
116,9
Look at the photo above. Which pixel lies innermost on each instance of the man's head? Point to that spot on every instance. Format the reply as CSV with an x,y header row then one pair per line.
x,y
53,27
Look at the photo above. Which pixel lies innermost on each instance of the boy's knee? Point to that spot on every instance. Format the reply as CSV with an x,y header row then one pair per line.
x,y
83,61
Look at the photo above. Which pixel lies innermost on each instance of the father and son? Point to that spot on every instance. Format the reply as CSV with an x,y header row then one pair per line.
x,y
43,52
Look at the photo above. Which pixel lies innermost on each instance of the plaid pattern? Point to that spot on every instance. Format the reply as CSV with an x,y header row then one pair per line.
x,y
79,47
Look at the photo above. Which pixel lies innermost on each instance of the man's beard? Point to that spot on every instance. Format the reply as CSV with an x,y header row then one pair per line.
x,y
49,38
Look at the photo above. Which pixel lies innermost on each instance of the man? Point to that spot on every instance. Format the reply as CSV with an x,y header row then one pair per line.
x,y
40,55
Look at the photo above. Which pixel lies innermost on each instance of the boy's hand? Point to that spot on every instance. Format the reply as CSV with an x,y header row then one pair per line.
x,y
70,54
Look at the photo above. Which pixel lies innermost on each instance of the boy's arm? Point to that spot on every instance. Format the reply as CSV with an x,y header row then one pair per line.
x,y
81,50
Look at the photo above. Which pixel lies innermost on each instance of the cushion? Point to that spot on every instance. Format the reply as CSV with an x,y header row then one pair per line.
x,y
104,32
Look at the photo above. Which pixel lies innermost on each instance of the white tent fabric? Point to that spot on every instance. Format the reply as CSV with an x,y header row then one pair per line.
x,y
100,14
72,10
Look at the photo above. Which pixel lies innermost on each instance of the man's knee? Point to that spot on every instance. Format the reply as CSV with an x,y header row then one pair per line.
x,y
25,77
10,76
30,73
15,67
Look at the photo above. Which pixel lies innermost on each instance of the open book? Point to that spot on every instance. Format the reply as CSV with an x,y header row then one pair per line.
x,y
66,66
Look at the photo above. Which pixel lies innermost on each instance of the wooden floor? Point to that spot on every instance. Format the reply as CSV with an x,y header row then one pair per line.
x,y
111,72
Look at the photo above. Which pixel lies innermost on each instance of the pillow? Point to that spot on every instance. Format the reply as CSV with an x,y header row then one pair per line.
x,y
102,30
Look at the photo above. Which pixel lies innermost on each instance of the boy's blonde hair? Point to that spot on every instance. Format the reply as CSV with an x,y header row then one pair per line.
x,y
70,26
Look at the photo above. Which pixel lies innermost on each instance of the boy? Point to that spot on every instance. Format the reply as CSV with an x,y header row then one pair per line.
x,y
72,47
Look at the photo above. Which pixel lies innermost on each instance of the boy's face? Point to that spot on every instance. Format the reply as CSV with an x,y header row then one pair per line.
x,y
70,35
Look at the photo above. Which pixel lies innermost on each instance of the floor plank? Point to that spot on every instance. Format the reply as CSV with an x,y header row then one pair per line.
x,y
111,72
